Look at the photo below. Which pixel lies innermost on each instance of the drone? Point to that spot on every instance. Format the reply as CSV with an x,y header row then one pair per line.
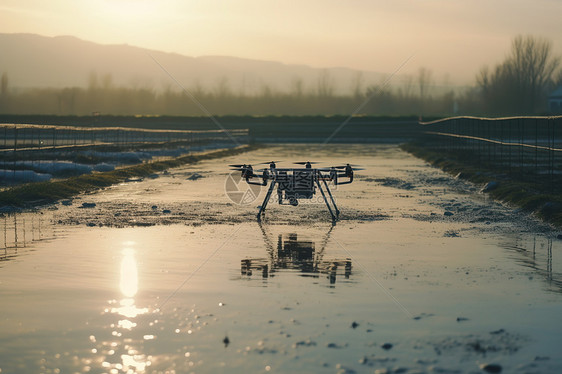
x,y
293,253
297,183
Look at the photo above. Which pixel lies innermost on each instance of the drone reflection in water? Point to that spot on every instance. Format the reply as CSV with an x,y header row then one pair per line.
x,y
292,253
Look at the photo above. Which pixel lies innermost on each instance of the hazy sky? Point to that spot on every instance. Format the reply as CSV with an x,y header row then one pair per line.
x,y
453,38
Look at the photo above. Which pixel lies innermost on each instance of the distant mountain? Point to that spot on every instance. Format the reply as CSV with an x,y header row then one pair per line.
x,y
65,61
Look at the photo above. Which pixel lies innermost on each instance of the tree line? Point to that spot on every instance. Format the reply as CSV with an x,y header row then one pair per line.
x,y
517,86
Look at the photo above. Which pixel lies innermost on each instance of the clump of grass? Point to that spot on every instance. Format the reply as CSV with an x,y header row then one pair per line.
x,y
516,189
34,194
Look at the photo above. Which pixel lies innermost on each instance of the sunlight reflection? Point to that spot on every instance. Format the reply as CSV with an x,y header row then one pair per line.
x,y
129,286
128,358
129,274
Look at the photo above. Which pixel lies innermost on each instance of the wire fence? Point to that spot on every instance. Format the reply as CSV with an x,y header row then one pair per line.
x,y
18,137
529,148
35,153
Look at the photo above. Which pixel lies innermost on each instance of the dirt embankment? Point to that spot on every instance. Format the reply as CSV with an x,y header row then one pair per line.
x,y
545,204
36,194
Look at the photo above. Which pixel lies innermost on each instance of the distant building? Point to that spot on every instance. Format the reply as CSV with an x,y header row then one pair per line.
x,y
555,101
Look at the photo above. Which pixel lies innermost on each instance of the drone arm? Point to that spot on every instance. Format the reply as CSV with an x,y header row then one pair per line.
x,y
346,182
344,175
257,183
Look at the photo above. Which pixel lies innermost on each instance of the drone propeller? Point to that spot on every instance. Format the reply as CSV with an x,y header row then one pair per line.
x,y
305,162
268,162
344,166
237,165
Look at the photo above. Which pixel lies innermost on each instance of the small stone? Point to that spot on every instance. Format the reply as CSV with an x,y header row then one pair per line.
x,y
490,186
88,205
333,345
491,368
497,332
448,214
305,343
226,341
154,207
386,346
166,211
461,319
354,325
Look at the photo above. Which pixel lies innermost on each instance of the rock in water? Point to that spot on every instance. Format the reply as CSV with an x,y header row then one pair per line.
x,y
491,368
490,186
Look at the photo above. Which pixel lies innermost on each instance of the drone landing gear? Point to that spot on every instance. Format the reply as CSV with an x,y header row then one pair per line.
x,y
333,208
334,216
266,200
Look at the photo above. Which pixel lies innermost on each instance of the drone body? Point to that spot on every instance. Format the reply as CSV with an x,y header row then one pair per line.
x,y
294,184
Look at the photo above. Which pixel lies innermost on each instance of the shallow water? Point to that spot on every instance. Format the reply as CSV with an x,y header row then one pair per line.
x,y
168,275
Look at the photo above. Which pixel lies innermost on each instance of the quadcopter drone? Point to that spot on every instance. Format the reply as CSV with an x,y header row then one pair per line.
x,y
290,252
297,183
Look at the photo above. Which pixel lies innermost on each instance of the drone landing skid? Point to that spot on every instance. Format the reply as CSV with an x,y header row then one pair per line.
x,y
331,205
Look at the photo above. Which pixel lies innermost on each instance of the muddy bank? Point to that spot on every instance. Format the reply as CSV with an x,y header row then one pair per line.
x,y
41,193
544,202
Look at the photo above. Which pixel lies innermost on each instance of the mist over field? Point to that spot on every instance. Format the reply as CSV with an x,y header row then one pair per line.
x,y
69,76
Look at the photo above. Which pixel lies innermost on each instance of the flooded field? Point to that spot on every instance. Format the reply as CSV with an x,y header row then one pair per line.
x,y
422,274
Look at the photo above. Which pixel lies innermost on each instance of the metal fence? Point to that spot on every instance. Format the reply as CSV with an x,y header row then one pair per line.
x,y
17,137
20,230
34,153
527,147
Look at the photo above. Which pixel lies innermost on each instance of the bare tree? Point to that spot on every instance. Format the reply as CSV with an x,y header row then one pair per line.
x,y
107,81
223,88
532,65
297,87
93,80
4,84
424,81
519,84
325,84
557,81
357,85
